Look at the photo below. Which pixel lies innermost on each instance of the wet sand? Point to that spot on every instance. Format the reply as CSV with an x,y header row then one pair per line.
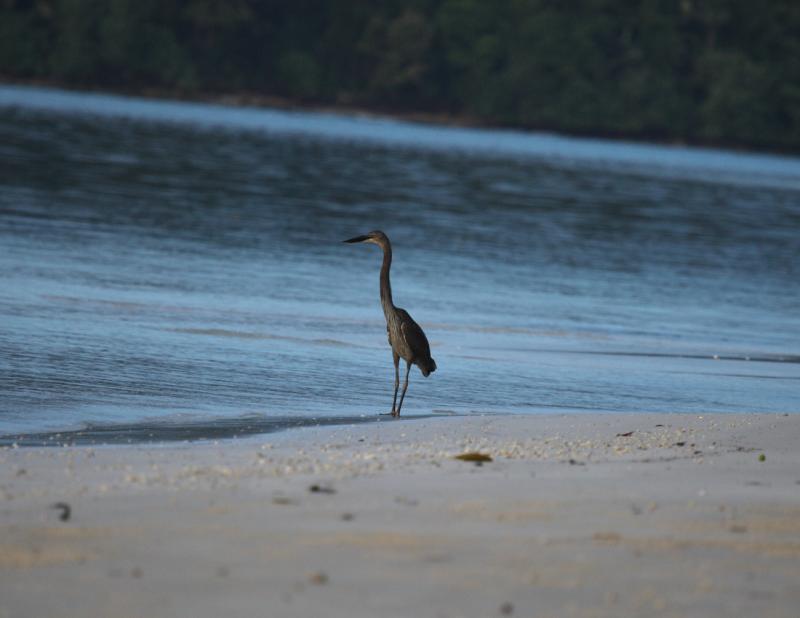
x,y
579,515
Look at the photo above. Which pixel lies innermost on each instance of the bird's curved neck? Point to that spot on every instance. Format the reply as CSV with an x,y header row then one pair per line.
x,y
386,286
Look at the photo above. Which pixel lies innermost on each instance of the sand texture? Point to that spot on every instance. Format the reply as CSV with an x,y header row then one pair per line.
x,y
595,516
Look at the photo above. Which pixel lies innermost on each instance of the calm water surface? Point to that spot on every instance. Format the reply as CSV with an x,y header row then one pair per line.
x,y
173,271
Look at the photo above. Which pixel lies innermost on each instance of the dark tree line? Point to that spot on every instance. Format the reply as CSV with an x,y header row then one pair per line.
x,y
710,71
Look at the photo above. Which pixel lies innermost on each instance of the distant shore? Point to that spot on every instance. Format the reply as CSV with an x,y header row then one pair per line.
x,y
568,515
252,99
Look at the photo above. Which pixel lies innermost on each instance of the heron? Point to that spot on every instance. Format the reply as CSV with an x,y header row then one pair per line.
x,y
407,339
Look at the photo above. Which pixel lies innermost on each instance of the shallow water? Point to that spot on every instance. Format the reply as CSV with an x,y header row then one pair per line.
x,y
176,269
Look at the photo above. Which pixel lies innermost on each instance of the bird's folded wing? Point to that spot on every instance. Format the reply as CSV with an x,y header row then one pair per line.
x,y
414,336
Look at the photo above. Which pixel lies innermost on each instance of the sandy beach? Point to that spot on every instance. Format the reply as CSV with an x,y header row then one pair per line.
x,y
575,515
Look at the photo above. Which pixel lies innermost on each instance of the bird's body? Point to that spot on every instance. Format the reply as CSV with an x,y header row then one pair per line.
x,y
407,339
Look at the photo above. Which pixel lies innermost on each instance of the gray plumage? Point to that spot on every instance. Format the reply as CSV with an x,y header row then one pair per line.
x,y
407,339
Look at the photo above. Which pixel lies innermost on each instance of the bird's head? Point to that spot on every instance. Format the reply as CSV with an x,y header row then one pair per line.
x,y
376,238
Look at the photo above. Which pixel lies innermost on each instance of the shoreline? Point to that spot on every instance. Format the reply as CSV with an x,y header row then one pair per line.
x,y
235,430
443,119
656,514
210,431
240,430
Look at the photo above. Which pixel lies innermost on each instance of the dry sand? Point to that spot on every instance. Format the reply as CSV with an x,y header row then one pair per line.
x,y
679,518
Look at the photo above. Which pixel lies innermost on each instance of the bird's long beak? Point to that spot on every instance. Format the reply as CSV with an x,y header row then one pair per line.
x,y
357,239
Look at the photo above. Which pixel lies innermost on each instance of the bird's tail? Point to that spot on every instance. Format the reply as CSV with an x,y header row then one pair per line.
x,y
429,367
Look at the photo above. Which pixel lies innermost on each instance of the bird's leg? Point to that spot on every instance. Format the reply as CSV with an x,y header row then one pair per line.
x,y
405,388
396,359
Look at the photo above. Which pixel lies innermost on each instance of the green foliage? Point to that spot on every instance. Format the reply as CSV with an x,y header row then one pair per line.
x,y
300,73
716,71
23,41
400,51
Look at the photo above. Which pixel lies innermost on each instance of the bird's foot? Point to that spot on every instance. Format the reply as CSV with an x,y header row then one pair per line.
x,y
395,413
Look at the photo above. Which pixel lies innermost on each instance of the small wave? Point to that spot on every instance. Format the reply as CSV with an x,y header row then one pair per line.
x,y
124,305
183,431
756,358
517,330
222,332
333,342
756,376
